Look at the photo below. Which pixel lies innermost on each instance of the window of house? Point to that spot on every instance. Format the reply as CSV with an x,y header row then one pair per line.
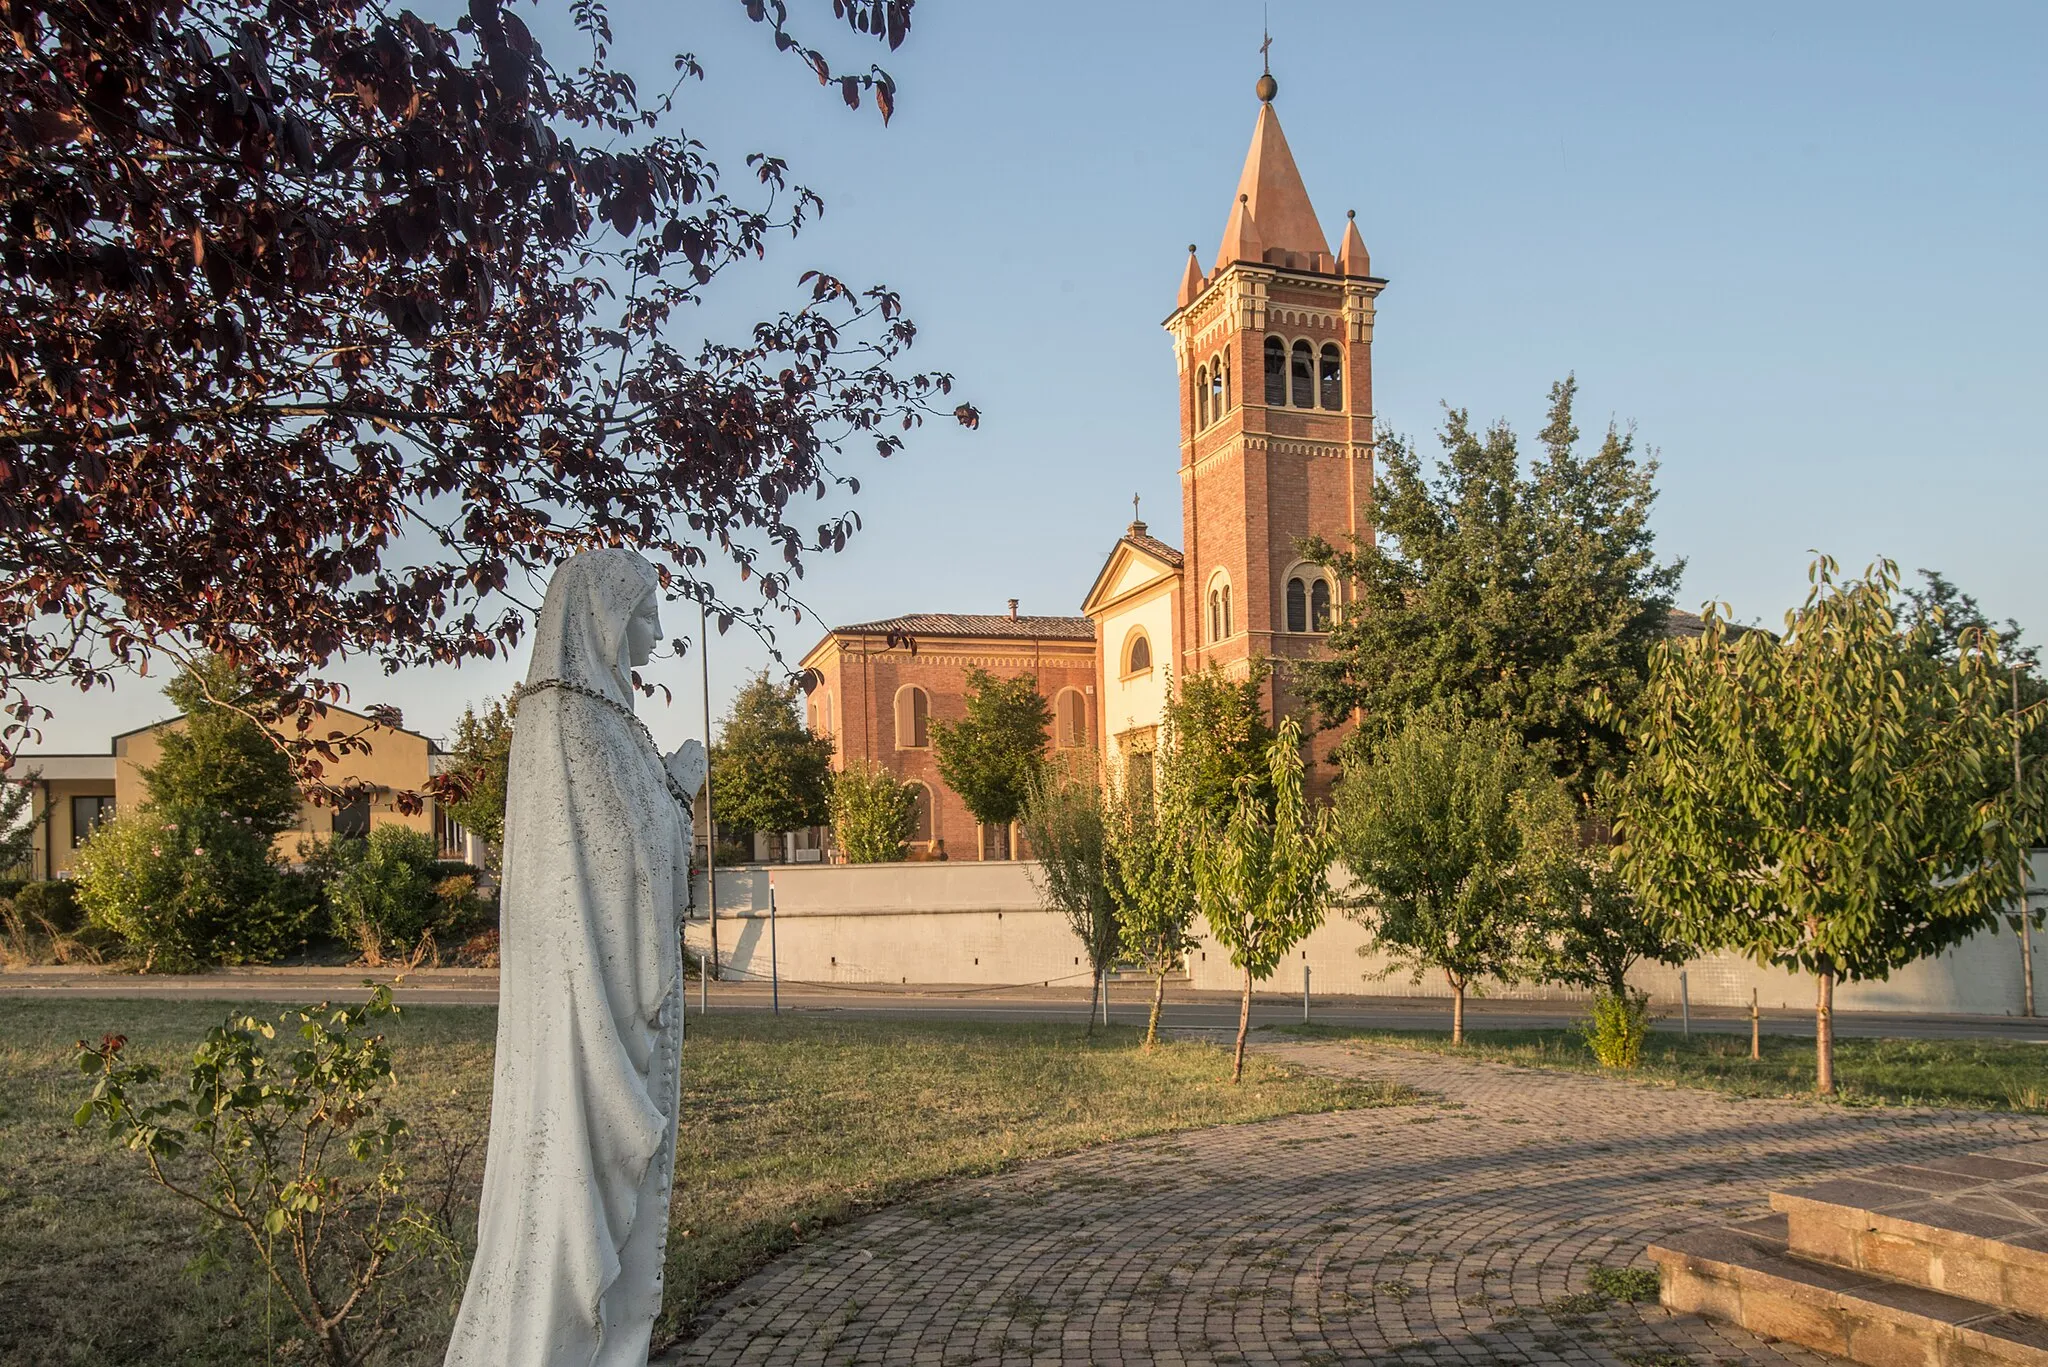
x,y
86,813
1303,371
913,718
921,796
1319,605
1276,372
448,833
1201,397
1070,719
1138,658
1330,378
352,818
1297,605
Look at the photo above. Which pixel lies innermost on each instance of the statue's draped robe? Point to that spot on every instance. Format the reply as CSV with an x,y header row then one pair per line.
x,y
574,1217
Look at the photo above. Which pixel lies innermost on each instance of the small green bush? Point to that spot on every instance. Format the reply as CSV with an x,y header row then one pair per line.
x,y
54,902
1617,1029
873,814
383,899
187,887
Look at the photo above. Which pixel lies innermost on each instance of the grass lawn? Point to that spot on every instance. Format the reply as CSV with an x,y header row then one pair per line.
x,y
789,1126
1974,1074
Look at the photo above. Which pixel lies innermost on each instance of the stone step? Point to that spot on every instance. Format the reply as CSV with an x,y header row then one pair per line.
x,y
1745,1275
1974,1226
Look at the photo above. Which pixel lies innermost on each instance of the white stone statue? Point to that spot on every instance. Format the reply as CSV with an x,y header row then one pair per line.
x,y
574,1219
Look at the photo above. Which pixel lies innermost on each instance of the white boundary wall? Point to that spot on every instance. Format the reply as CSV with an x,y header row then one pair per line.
x,y
982,923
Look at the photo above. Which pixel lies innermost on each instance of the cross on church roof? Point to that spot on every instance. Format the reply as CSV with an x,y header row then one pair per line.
x,y
1267,87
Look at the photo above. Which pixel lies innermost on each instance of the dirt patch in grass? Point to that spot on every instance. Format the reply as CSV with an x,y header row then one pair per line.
x,y
790,1126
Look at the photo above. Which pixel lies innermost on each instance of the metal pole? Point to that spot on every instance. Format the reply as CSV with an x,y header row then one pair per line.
x,y
1105,994
2027,863
774,961
1684,1005
710,821
1756,1034
1304,991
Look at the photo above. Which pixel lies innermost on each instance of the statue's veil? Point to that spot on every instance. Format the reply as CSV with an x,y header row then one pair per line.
x,y
581,636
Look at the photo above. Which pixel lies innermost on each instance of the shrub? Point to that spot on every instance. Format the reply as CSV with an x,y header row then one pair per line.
x,y
297,1156
462,910
53,902
186,887
383,896
873,815
1616,1030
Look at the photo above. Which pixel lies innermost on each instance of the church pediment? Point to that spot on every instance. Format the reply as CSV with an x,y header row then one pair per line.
x,y
1136,564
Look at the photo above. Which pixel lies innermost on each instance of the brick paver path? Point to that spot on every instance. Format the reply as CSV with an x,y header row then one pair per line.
x,y
1455,1231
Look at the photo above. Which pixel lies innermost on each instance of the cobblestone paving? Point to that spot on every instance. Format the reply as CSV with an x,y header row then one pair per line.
x,y
1459,1230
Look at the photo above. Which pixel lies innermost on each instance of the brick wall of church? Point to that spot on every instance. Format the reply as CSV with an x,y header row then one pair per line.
x,y
862,676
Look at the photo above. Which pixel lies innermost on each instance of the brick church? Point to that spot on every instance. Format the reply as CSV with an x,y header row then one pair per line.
x,y
1274,348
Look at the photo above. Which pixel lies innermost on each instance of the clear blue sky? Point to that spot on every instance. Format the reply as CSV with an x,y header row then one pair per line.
x,y
1799,246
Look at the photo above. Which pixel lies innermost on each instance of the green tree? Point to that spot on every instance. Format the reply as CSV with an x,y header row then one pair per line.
x,y
1531,598
192,876
1597,928
1063,823
1448,829
768,772
1263,876
478,761
873,814
189,886
219,761
1224,738
990,756
1817,800
1149,831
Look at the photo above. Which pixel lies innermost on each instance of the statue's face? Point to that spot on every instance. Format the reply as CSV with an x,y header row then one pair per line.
x,y
643,629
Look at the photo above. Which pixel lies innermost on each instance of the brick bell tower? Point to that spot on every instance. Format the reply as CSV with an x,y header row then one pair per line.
x,y
1274,346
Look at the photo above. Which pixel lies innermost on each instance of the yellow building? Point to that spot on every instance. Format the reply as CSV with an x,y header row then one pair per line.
x,y
79,791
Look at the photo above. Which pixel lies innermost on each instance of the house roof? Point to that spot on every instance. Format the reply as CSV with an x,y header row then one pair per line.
x,y
995,625
1135,540
1153,546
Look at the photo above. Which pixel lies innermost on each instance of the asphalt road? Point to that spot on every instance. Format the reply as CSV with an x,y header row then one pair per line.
x,y
1129,1002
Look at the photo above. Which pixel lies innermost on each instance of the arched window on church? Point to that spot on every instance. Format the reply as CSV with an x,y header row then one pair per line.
x,y
1219,607
1297,605
1330,377
1276,373
921,799
1319,605
1201,397
1070,719
1138,653
913,718
1304,371
1217,402
1226,384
